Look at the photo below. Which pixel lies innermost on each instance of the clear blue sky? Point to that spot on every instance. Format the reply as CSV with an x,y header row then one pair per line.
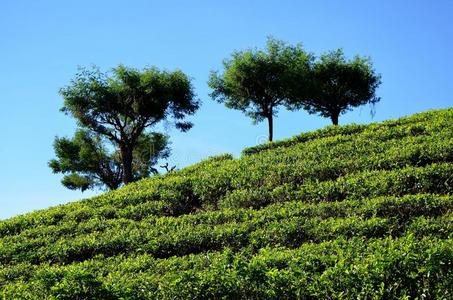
x,y
43,42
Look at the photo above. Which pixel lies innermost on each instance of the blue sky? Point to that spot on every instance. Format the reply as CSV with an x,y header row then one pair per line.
x,y
43,42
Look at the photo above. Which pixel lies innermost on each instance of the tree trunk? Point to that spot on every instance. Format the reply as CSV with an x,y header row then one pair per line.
x,y
126,159
270,120
334,118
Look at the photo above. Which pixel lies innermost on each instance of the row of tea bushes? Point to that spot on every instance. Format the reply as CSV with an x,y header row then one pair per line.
x,y
291,225
388,268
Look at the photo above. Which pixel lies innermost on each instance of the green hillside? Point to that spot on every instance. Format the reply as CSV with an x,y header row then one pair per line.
x,y
347,212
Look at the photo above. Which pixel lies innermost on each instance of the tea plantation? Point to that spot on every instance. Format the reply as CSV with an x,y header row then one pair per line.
x,y
346,212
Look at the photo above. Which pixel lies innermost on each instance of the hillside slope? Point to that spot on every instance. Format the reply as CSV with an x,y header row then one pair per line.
x,y
343,212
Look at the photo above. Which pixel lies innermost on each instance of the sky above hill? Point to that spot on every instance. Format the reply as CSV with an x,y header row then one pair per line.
x,y
43,42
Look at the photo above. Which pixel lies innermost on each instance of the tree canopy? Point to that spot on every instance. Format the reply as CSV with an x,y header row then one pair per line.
x,y
257,82
120,106
338,85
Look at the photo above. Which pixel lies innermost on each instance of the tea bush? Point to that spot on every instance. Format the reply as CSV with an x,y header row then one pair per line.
x,y
356,211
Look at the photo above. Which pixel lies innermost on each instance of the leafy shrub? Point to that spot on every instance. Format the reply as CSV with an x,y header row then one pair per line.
x,y
357,211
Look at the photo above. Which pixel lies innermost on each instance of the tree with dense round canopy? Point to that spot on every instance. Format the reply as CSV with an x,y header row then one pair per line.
x,y
338,85
257,82
121,106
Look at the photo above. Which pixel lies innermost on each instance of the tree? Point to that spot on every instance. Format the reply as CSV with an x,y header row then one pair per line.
x,y
122,106
339,85
257,82
87,163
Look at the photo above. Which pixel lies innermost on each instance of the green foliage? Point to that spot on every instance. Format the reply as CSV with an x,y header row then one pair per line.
x,y
88,163
340,213
338,85
257,82
128,100
119,108
413,124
